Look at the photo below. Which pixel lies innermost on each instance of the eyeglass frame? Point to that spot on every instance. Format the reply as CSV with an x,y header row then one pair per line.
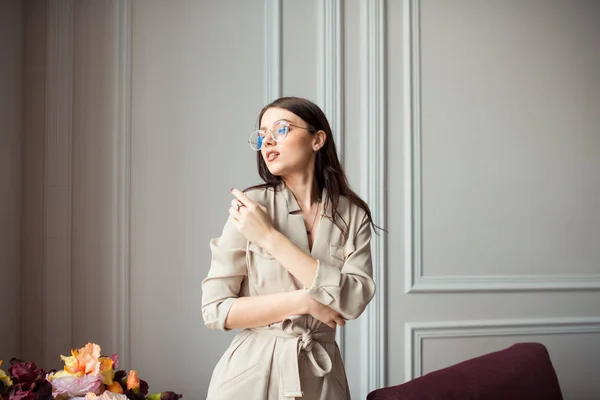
x,y
287,123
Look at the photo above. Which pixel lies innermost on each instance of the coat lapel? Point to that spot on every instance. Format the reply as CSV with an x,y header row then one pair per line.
x,y
324,230
295,229
294,222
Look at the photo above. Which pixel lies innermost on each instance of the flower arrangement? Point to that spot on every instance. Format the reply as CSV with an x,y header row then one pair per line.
x,y
87,375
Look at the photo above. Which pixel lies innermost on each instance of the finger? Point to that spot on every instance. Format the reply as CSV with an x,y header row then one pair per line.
x,y
234,213
238,205
340,321
242,197
330,324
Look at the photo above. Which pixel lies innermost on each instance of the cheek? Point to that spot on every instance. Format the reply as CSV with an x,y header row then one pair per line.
x,y
302,145
297,153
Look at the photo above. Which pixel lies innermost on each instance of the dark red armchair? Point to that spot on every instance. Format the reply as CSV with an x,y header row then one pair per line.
x,y
521,372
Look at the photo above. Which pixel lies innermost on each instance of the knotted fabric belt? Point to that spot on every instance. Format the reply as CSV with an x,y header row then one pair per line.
x,y
302,334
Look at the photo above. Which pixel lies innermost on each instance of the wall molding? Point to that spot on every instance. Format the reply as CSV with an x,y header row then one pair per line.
x,y
331,70
481,283
415,280
417,332
412,144
57,323
273,52
330,88
373,186
122,128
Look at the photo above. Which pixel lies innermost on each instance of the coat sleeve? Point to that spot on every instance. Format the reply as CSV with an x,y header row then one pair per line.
x,y
227,271
347,290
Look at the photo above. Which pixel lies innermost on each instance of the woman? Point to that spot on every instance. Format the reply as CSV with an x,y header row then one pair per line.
x,y
293,263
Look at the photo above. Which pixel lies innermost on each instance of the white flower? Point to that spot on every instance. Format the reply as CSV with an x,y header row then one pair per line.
x,y
107,395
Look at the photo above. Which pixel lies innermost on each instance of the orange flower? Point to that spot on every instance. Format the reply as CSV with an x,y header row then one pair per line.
x,y
83,361
133,382
115,387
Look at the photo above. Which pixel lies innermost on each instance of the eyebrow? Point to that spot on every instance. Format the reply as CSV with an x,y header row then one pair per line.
x,y
281,119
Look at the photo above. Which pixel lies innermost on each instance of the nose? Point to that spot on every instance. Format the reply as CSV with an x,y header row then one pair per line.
x,y
268,139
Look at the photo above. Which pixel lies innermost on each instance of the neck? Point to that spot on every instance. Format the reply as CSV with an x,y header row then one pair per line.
x,y
305,190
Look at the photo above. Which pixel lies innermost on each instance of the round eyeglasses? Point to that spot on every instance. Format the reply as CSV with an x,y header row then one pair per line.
x,y
278,131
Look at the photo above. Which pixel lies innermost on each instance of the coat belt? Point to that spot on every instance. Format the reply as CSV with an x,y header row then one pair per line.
x,y
300,338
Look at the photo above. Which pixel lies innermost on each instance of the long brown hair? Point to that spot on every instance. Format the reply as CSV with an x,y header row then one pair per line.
x,y
328,169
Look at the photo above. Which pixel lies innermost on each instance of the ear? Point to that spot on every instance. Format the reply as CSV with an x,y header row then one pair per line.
x,y
319,139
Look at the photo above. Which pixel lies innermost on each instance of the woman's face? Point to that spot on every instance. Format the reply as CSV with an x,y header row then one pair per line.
x,y
293,154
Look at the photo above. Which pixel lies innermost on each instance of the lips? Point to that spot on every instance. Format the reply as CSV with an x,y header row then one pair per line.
x,y
271,155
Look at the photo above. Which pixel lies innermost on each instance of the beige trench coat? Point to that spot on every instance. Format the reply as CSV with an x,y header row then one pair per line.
x,y
296,357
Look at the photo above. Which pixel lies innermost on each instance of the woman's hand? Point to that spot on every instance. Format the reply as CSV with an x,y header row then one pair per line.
x,y
250,218
325,314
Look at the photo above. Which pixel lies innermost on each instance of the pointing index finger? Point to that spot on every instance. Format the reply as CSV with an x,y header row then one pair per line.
x,y
241,196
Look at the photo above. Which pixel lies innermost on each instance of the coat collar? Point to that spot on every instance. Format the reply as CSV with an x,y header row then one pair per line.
x,y
297,231
292,203
290,199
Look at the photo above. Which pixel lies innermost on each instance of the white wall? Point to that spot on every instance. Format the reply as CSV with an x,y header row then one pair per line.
x,y
11,127
197,87
164,95
495,224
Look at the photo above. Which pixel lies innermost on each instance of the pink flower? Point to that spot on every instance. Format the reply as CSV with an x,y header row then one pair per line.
x,y
73,386
115,358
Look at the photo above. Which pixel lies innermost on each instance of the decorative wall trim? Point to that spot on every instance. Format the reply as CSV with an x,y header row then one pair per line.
x,y
273,61
330,86
373,185
122,127
417,332
415,281
58,180
331,68
412,144
480,283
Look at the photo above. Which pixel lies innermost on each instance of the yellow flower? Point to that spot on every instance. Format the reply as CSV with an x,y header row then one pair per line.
x,y
59,374
106,370
71,364
5,378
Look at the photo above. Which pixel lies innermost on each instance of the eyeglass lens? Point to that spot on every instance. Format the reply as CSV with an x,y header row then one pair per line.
x,y
278,132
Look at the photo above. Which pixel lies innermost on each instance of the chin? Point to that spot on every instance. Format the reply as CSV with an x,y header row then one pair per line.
x,y
279,168
276,170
